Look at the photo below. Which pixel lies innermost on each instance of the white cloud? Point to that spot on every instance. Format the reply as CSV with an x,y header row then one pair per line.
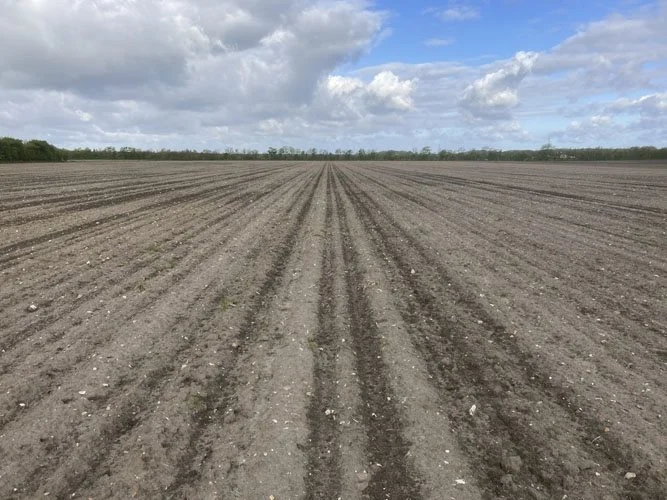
x,y
387,90
343,98
62,44
83,116
652,104
504,132
181,53
591,131
495,94
601,121
339,86
271,127
457,12
439,42
611,53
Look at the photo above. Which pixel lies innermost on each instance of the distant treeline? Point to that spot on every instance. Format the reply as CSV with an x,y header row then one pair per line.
x,y
15,150
289,153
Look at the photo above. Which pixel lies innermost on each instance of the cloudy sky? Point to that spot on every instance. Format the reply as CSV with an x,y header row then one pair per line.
x,y
385,74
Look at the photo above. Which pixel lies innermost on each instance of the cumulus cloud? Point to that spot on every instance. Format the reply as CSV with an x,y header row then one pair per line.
x,y
590,131
339,86
117,69
388,91
181,53
652,104
456,12
495,94
345,97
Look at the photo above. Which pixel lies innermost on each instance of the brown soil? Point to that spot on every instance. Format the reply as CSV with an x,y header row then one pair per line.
x,y
386,330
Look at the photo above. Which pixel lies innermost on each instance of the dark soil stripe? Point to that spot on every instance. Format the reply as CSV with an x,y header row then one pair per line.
x,y
489,186
138,399
387,450
117,192
219,392
323,474
433,202
9,341
7,252
541,261
489,372
46,384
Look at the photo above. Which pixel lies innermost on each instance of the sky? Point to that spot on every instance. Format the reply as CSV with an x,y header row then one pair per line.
x,y
347,74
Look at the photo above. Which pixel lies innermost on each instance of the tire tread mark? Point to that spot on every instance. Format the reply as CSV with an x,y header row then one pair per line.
x,y
323,474
472,372
220,391
387,448
141,398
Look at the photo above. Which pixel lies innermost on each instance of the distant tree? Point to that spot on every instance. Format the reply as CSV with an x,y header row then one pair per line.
x,y
425,153
11,150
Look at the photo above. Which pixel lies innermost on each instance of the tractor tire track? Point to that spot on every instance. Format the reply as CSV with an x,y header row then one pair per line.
x,y
387,451
433,335
219,391
323,478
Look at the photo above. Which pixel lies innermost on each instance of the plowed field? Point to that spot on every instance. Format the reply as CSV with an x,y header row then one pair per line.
x,y
308,330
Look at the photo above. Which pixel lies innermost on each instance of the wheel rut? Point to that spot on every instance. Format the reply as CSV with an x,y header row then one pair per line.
x,y
138,397
219,392
323,479
471,370
387,449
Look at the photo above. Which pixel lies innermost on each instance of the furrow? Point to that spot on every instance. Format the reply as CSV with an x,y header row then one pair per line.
x,y
39,383
219,391
387,449
323,479
7,252
140,262
472,359
139,395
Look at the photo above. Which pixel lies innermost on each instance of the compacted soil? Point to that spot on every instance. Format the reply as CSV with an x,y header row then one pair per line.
x,y
276,330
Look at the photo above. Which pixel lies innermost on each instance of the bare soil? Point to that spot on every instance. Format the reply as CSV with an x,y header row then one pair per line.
x,y
307,330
